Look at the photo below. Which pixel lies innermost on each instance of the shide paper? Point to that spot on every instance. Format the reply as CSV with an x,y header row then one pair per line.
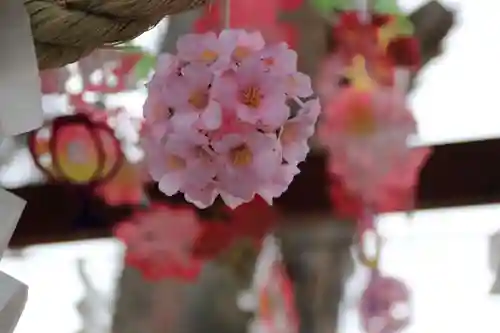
x,y
21,112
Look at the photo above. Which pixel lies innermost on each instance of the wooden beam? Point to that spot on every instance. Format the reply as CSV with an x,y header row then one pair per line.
x,y
455,175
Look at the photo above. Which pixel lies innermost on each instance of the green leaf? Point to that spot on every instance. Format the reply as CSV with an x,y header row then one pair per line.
x,y
328,6
404,26
387,7
144,66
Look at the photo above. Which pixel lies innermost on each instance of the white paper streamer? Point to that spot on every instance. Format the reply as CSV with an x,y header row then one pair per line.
x,y
20,92
494,261
94,308
21,112
13,294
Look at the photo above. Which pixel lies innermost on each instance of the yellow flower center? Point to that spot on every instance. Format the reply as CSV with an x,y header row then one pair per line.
x,y
241,52
251,97
387,33
209,55
199,99
175,162
241,155
358,75
361,121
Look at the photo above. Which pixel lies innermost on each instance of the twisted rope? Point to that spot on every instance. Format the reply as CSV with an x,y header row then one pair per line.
x,y
67,30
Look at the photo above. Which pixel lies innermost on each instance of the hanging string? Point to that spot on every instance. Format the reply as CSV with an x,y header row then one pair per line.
x,y
227,14
363,7
369,246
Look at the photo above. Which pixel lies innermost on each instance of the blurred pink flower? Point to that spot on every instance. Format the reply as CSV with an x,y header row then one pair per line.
x,y
330,78
246,160
257,96
366,133
158,242
191,100
384,306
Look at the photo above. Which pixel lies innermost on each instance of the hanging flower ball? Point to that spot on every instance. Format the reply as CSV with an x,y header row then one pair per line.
x,y
385,306
158,242
367,132
219,120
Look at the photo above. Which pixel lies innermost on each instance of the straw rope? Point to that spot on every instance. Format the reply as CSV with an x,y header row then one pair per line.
x,y
66,30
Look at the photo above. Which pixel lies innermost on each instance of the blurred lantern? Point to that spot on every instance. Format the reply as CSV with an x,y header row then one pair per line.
x,y
74,149
385,305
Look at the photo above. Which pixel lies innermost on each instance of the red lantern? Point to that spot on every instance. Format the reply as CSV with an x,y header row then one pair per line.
x,y
77,150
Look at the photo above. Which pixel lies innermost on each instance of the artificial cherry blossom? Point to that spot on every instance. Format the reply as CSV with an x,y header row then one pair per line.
x,y
219,121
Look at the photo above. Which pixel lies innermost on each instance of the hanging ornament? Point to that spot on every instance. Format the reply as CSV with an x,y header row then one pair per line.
x,y
159,240
218,119
385,303
271,296
74,149
384,306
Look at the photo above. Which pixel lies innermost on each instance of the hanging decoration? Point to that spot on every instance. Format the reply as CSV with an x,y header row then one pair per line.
x,y
74,149
218,117
252,15
367,123
159,241
385,303
270,298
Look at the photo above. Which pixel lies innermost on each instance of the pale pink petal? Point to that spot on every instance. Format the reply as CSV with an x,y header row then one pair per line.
x,y
211,118
300,85
232,201
171,182
296,152
201,197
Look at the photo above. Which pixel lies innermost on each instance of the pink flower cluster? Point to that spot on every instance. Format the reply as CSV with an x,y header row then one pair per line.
x,y
225,116
367,132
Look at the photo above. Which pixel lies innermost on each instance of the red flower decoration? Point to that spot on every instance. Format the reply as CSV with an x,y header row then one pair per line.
x,y
396,194
158,242
259,15
252,220
405,51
